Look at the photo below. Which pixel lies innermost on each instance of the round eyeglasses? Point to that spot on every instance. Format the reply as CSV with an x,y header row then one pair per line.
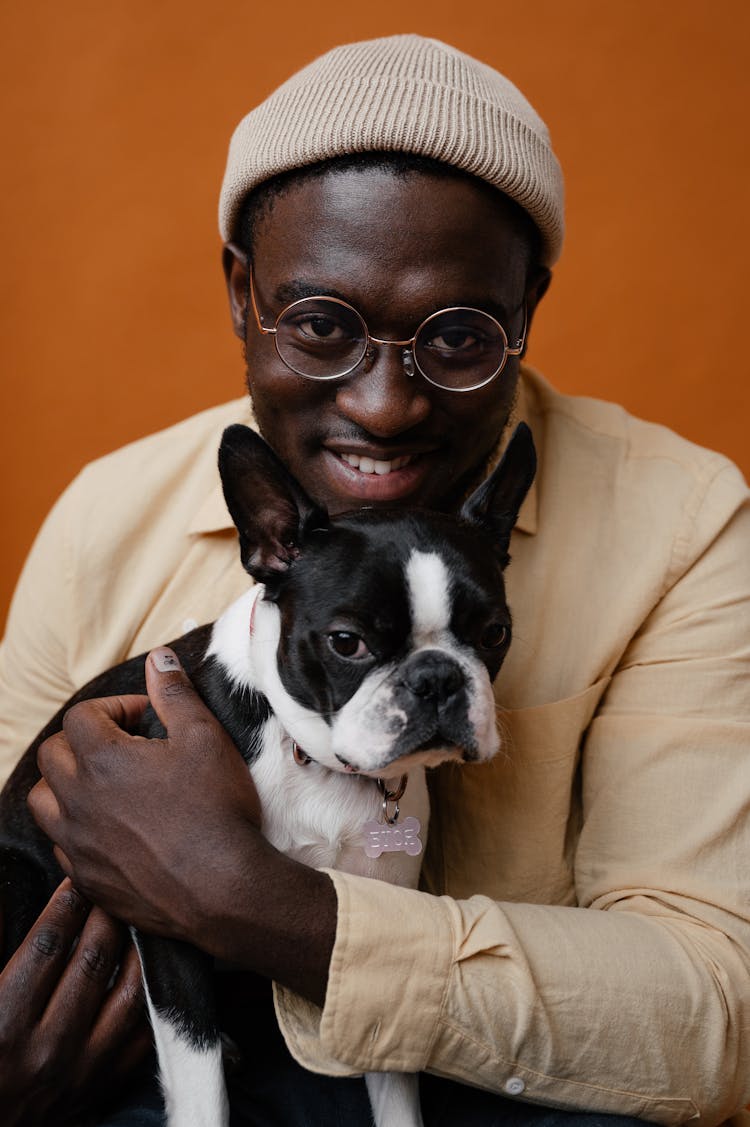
x,y
324,338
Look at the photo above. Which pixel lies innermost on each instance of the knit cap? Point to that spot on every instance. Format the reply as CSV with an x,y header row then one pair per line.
x,y
407,94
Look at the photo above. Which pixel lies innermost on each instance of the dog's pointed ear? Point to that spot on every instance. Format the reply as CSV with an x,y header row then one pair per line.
x,y
267,504
495,504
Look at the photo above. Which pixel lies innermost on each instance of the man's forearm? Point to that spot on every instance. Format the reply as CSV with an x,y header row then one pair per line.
x,y
281,922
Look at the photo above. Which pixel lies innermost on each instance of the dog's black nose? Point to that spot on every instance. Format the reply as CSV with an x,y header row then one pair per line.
x,y
432,673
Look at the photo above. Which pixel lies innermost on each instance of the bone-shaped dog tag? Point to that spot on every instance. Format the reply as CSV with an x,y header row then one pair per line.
x,y
401,838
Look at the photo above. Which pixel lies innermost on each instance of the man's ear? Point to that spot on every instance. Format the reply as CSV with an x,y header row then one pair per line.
x,y
269,507
495,504
235,264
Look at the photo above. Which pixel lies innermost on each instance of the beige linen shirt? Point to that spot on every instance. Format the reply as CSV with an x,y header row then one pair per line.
x,y
582,938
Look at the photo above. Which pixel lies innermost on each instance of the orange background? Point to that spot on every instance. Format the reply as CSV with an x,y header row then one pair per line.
x,y
117,116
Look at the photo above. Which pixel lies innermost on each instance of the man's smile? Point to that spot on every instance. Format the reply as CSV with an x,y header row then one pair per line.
x,y
371,478
376,466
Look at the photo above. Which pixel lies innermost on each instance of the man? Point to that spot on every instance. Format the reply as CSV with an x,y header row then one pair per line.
x,y
582,941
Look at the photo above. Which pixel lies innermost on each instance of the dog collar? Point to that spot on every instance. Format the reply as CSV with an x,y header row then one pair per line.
x,y
383,836
301,758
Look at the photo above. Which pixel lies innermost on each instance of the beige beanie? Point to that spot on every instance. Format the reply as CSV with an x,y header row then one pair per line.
x,y
401,94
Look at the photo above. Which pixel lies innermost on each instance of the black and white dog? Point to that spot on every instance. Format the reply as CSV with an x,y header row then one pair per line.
x,y
365,652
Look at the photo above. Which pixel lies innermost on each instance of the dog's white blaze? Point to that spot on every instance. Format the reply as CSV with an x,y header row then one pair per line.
x,y
430,600
429,596
192,1080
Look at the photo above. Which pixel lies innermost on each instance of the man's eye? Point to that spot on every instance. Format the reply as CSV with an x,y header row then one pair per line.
x,y
454,340
348,645
319,328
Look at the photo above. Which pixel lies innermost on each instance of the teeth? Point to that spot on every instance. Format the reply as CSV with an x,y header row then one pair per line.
x,y
375,465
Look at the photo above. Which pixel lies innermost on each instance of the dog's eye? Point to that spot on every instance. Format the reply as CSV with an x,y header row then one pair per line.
x,y
494,636
346,644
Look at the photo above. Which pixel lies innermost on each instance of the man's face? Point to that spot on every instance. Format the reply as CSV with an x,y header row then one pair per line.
x,y
397,249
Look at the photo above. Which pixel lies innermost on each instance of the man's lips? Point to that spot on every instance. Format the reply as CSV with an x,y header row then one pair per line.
x,y
370,477
376,465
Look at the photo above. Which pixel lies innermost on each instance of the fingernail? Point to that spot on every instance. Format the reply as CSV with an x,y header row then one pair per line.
x,y
165,660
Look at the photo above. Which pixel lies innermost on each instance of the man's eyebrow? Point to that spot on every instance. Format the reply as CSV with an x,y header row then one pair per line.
x,y
297,289
496,309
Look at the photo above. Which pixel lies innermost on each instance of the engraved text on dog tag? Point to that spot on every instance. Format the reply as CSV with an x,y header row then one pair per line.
x,y
401,838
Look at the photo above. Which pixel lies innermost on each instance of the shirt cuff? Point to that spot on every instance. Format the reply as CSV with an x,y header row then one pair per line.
x,y
388,977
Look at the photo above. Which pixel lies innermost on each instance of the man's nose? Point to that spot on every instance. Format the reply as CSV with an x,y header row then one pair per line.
x,y
380,397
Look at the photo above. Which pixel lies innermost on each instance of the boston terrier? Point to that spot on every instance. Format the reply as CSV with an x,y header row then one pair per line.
x,y
364,652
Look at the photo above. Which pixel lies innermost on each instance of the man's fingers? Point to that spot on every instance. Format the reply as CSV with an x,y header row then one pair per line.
x,y
72,1012
44,808
84,983
125,1001
171,693
122,1013
87,725
63,860
54,757
31,975
102,717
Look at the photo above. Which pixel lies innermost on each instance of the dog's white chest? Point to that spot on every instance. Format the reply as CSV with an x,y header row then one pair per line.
x,y
321,817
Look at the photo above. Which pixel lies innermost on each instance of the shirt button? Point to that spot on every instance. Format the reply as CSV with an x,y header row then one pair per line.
x,y
514,1085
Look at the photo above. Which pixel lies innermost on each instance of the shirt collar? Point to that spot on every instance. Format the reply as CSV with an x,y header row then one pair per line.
x,y
521,413
213,516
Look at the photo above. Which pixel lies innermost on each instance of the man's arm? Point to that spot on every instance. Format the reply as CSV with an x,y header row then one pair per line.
x,y
34,678
177,849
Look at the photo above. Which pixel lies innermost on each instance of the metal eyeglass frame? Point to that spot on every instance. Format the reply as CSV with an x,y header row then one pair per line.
x,y
409,356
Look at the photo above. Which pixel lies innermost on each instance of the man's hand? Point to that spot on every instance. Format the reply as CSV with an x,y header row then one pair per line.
x,y
143,826
165,834
68,1028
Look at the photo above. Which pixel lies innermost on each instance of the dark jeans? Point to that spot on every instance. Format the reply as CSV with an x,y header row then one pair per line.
x,y
344,1103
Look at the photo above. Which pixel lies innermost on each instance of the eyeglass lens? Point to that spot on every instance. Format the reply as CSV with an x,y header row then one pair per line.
x,y
456,348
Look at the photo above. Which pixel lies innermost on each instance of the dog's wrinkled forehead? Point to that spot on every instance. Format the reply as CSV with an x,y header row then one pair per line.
x,y
413,571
